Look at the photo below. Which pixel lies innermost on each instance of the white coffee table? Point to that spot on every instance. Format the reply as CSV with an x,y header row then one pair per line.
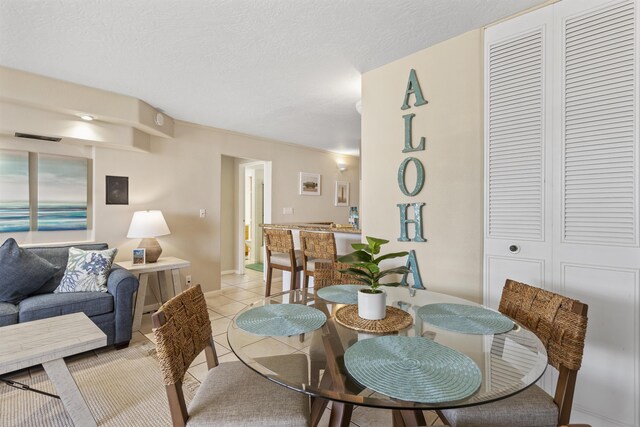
x,y
47,342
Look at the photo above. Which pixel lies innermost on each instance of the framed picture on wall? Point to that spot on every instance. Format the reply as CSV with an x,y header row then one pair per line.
x,y
309,184
342,193
117,190
139,256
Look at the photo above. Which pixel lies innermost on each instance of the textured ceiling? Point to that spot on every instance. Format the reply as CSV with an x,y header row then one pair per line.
x,y
282,69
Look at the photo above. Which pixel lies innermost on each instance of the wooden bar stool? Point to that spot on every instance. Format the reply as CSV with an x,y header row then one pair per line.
x,y
316,247
281,255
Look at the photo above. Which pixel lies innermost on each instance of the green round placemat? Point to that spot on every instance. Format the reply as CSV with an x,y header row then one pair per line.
x,y
467,319
341,294
412,368
281,319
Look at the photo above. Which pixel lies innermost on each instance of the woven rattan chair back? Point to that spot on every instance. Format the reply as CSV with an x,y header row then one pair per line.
x,y
560,323
316,245
328,274
280,241
182,330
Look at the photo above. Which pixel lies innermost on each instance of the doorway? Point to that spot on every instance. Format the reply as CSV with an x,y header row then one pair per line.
x,y
254,208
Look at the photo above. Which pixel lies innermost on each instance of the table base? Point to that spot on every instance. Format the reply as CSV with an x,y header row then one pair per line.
x,y
170,289
341,415
69,393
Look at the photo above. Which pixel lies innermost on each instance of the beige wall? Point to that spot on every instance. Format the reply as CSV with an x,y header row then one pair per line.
x,y
184,174
450,75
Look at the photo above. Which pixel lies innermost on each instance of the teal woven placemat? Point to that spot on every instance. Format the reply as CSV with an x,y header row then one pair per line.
x,y
341,294
281,319
412,368
467,319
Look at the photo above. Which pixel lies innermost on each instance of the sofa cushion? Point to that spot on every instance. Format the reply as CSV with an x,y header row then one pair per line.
x,y
8,314
87,271
59,255
49,305
21,273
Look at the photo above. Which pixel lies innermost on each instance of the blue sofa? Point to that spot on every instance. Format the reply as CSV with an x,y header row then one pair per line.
x,y
111,311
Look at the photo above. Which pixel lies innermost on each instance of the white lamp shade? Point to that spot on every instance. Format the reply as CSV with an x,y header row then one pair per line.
x,y
145,224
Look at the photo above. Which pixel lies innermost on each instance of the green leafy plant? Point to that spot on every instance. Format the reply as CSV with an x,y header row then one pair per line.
x,y
366,266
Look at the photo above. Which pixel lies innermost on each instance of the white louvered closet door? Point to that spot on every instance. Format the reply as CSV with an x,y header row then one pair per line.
x,y
517,192
566,190
596,255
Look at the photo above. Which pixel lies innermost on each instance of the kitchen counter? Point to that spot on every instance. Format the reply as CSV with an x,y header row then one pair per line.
x,y
316,226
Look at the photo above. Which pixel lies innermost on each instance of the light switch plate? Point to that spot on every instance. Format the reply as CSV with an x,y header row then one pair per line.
x,y
287,211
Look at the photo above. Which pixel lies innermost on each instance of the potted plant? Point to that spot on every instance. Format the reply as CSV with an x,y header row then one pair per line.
x,y
365,262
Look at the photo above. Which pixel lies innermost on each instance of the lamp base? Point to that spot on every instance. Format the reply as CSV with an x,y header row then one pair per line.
x,y
152,249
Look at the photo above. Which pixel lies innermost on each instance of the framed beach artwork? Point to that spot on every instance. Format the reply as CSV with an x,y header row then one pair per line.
x,y
62,193
14,191
309,184
342,193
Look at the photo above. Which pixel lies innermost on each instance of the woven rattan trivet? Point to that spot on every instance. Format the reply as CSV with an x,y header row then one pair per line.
x,y
394,321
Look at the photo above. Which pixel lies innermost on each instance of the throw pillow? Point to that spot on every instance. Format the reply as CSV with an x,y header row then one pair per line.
x,y
21,272
87,271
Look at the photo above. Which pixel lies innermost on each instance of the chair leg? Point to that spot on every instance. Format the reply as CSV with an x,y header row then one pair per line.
x,y
408,418
442,418
314,375
294,279
305,280
267,289
340,414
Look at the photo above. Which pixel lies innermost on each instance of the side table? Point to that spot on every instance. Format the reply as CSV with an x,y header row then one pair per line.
x,y
143,271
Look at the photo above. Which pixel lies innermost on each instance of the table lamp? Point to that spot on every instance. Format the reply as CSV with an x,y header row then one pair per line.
x,y
148,225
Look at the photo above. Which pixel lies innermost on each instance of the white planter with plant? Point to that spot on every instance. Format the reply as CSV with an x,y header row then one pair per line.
x,y
372,301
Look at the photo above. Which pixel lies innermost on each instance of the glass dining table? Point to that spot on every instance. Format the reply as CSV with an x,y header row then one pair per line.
x,y
508,362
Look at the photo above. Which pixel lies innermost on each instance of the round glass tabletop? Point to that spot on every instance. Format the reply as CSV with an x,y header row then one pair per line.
x,y
508,362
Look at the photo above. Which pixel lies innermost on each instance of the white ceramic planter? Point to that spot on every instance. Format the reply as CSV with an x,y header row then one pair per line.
x,y
372,306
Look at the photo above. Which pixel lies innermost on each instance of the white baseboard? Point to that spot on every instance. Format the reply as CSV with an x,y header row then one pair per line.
x,y
229,272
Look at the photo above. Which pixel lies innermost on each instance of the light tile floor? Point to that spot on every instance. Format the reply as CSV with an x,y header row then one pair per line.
x,y
237,292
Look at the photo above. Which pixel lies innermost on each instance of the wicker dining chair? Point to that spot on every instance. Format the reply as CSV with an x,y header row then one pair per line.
x,y
316,247
328,274
281,255
561,324
231,394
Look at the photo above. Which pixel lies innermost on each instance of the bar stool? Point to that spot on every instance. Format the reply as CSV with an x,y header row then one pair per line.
x,y
281,255
316,247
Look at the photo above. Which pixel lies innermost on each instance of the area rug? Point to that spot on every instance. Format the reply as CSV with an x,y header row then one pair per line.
x,y
121,387
256,267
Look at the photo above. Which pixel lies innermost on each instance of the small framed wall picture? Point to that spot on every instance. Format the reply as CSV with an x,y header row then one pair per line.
x,y
309,184
117,190
342,193
139,256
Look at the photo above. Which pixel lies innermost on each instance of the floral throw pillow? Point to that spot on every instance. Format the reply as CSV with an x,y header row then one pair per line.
x,y
87,271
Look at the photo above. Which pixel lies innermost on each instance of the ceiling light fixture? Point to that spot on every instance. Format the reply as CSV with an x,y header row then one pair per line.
x,y
86,117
